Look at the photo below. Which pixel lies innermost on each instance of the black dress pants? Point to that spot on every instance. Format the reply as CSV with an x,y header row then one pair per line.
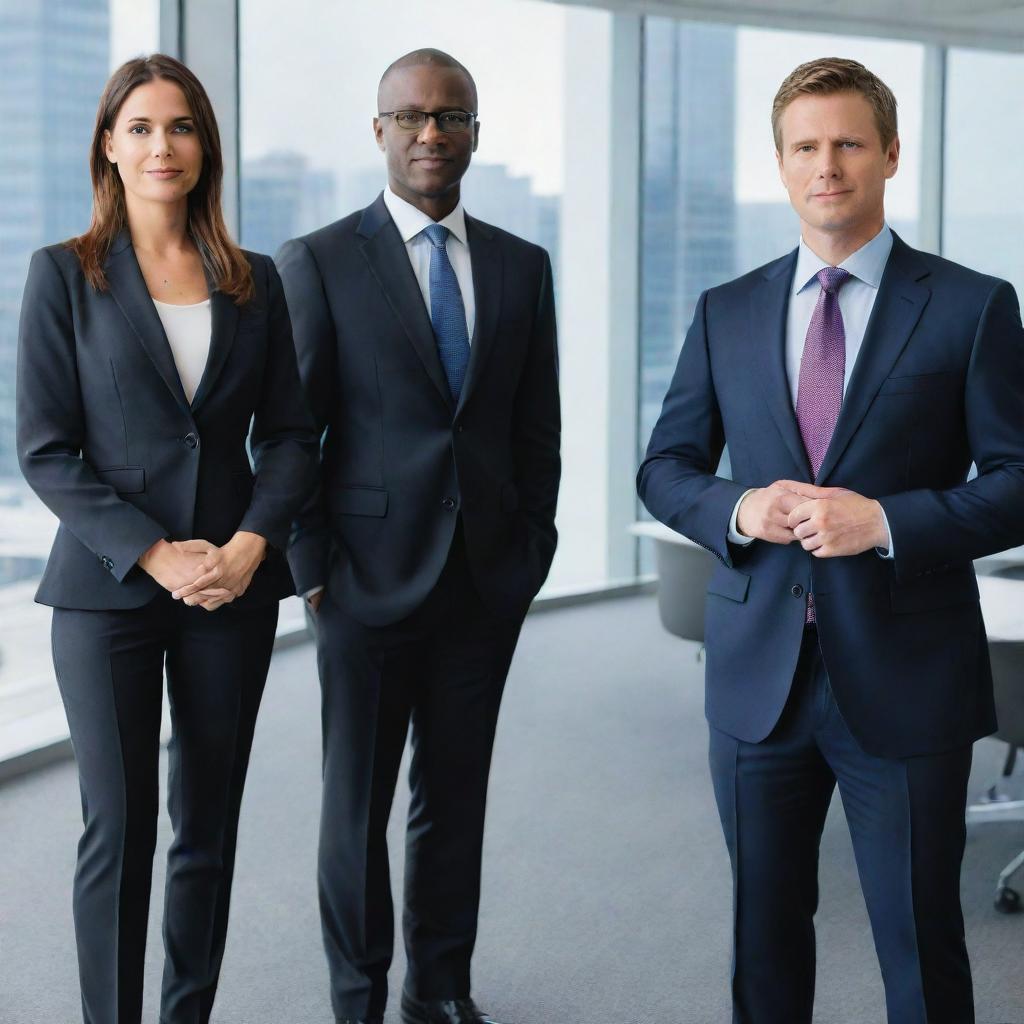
x,y
443,668
110,669
906,820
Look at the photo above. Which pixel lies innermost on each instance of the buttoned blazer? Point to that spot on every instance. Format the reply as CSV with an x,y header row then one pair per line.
x,y
401,461
109,442
939,383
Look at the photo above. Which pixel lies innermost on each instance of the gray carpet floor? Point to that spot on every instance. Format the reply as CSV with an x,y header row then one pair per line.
x,y
606,889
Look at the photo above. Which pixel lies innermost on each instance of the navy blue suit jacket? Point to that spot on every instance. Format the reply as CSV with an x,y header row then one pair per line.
x,y
401,461
939,383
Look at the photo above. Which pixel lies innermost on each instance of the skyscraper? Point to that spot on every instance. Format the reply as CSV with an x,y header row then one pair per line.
x,y
493,194
688,206
54,55
282,197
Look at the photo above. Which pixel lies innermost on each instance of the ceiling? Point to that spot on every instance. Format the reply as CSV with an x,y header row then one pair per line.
x,y
993,24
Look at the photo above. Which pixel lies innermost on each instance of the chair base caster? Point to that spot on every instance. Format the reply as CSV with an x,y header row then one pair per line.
x,y
1008,901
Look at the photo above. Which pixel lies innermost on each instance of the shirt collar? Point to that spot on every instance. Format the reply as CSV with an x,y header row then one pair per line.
x,y
866,264
410,221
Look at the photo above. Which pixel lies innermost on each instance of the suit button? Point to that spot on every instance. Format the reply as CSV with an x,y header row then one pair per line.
x,y
796,590
191,440
106,563
449,504
460,428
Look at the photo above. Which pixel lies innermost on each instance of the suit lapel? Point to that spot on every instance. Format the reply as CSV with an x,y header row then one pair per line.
x,y
385,252
485,256
898,306
224,317
129,291
769,308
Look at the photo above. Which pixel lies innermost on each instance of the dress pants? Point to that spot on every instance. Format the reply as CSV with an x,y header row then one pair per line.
x,y
110,669
443,669
906,820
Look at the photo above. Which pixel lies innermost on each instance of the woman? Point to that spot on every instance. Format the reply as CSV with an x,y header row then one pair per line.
x,y
147,346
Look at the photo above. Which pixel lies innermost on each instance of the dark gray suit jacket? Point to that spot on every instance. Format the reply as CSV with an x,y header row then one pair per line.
x,y
401,462
109,442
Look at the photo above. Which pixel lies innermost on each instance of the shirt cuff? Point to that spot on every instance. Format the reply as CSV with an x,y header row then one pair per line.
x,y
886,553
735,537
312,592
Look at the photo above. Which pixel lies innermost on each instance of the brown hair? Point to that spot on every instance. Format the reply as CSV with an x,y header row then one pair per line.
x,y
829,75
222,258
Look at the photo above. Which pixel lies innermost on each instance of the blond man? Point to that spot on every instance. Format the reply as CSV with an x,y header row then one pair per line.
x,y
854,380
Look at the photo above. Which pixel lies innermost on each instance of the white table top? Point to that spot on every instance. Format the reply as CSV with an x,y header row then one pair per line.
x,y
1002,600
659,531
1002,604
1001,559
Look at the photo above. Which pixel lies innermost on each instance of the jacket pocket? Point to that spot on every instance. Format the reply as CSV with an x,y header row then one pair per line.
x,y
124,479
361,501
931,592
730,583
919,382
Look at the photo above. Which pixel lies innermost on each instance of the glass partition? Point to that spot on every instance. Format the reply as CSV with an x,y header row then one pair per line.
x,y
55,58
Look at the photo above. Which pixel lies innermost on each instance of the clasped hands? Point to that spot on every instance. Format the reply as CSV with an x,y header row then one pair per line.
x,y
200,573
829,522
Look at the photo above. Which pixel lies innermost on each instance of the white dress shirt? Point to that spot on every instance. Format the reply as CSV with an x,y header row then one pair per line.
x,y
856,300
188,329
410,223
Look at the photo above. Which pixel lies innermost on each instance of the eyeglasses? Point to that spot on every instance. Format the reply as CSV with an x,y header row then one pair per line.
x,y
447,120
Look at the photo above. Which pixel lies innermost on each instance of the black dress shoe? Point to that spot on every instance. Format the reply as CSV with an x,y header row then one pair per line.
x,y
360,1020
442,1011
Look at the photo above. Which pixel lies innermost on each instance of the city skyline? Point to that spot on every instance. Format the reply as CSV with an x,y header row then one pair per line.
x,y
49,107
688,197
703,226
271,122
284,197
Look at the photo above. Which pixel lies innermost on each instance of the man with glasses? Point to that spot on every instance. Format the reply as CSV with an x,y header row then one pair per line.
x,y
426,342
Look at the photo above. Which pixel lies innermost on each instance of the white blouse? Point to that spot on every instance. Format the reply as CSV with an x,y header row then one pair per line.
x,y
188,329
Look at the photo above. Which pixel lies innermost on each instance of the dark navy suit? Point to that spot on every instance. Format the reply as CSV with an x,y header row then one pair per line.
x,y
433,527
897,675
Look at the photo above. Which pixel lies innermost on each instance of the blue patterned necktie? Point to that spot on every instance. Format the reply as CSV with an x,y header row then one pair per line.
x,y
447,312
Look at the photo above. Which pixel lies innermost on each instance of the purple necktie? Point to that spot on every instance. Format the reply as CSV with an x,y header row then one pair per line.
x,y
819,395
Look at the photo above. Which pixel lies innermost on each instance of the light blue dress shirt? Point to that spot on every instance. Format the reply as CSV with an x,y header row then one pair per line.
x,y
856,300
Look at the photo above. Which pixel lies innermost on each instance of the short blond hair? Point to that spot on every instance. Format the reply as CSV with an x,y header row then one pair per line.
x,y
829,75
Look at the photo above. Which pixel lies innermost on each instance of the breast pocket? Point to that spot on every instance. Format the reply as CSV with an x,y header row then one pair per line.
x,y
920,383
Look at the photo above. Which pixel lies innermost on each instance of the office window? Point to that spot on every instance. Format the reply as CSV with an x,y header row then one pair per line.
x,y
983,221
55,57
308,94
712,203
